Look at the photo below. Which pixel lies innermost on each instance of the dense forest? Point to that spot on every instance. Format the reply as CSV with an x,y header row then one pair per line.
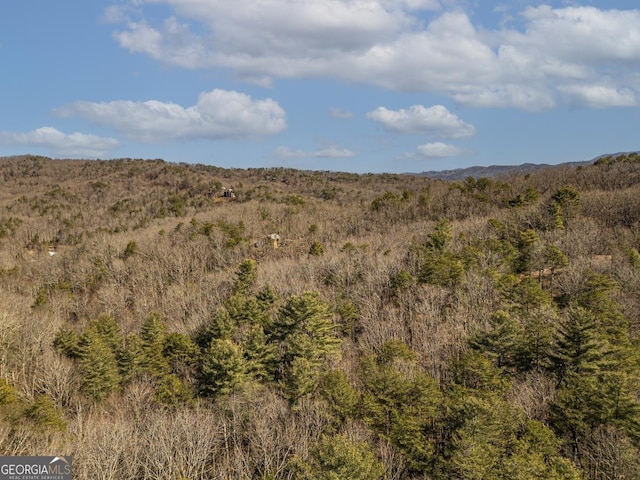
x,y
178,321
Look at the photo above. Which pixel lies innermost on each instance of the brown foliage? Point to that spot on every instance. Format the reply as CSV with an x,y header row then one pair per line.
x,y
133,237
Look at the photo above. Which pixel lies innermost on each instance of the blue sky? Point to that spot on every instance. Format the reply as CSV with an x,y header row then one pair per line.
x,y
349,85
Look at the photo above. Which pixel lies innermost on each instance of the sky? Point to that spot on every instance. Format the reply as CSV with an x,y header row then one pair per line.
x,y
365,86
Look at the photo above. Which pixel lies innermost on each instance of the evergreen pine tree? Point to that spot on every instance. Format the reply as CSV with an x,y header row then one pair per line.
x,y
267,298
67,342
535,453
441,236
98,366
596,387
341,397
340,458
245,276
172,391
300,377
401,403
182,355
565,204
554,259
525,244
306,336
537,341
8,393
579,348
502,341
482,427
221,326
246,310
130,357
437,264
474,371
153,334
107,329
222,368
261,356
440,268
44,414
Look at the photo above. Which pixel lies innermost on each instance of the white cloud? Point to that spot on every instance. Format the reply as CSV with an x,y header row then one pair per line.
x,y
175,44
435,121
286,27
218,114
263,81
115,14
387,44
583,35
439,150
526,97
413,4
340,113
71,145
329,152
600,96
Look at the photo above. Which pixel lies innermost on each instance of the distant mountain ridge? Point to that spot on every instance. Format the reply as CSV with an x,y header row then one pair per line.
x,y
493,170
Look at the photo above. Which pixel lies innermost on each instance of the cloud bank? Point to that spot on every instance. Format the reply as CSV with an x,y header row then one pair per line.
x,y
435,121
437,150
218,114
577,55
61,144
329,152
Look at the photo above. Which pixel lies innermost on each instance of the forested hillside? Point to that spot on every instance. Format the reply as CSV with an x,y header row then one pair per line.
x,y
175,321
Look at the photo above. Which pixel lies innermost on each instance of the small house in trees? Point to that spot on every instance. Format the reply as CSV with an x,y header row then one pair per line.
x,y
272,239
222,195
225,195
35,245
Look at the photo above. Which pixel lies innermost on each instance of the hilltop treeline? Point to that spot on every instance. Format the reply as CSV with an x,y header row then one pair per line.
x,y
320,325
